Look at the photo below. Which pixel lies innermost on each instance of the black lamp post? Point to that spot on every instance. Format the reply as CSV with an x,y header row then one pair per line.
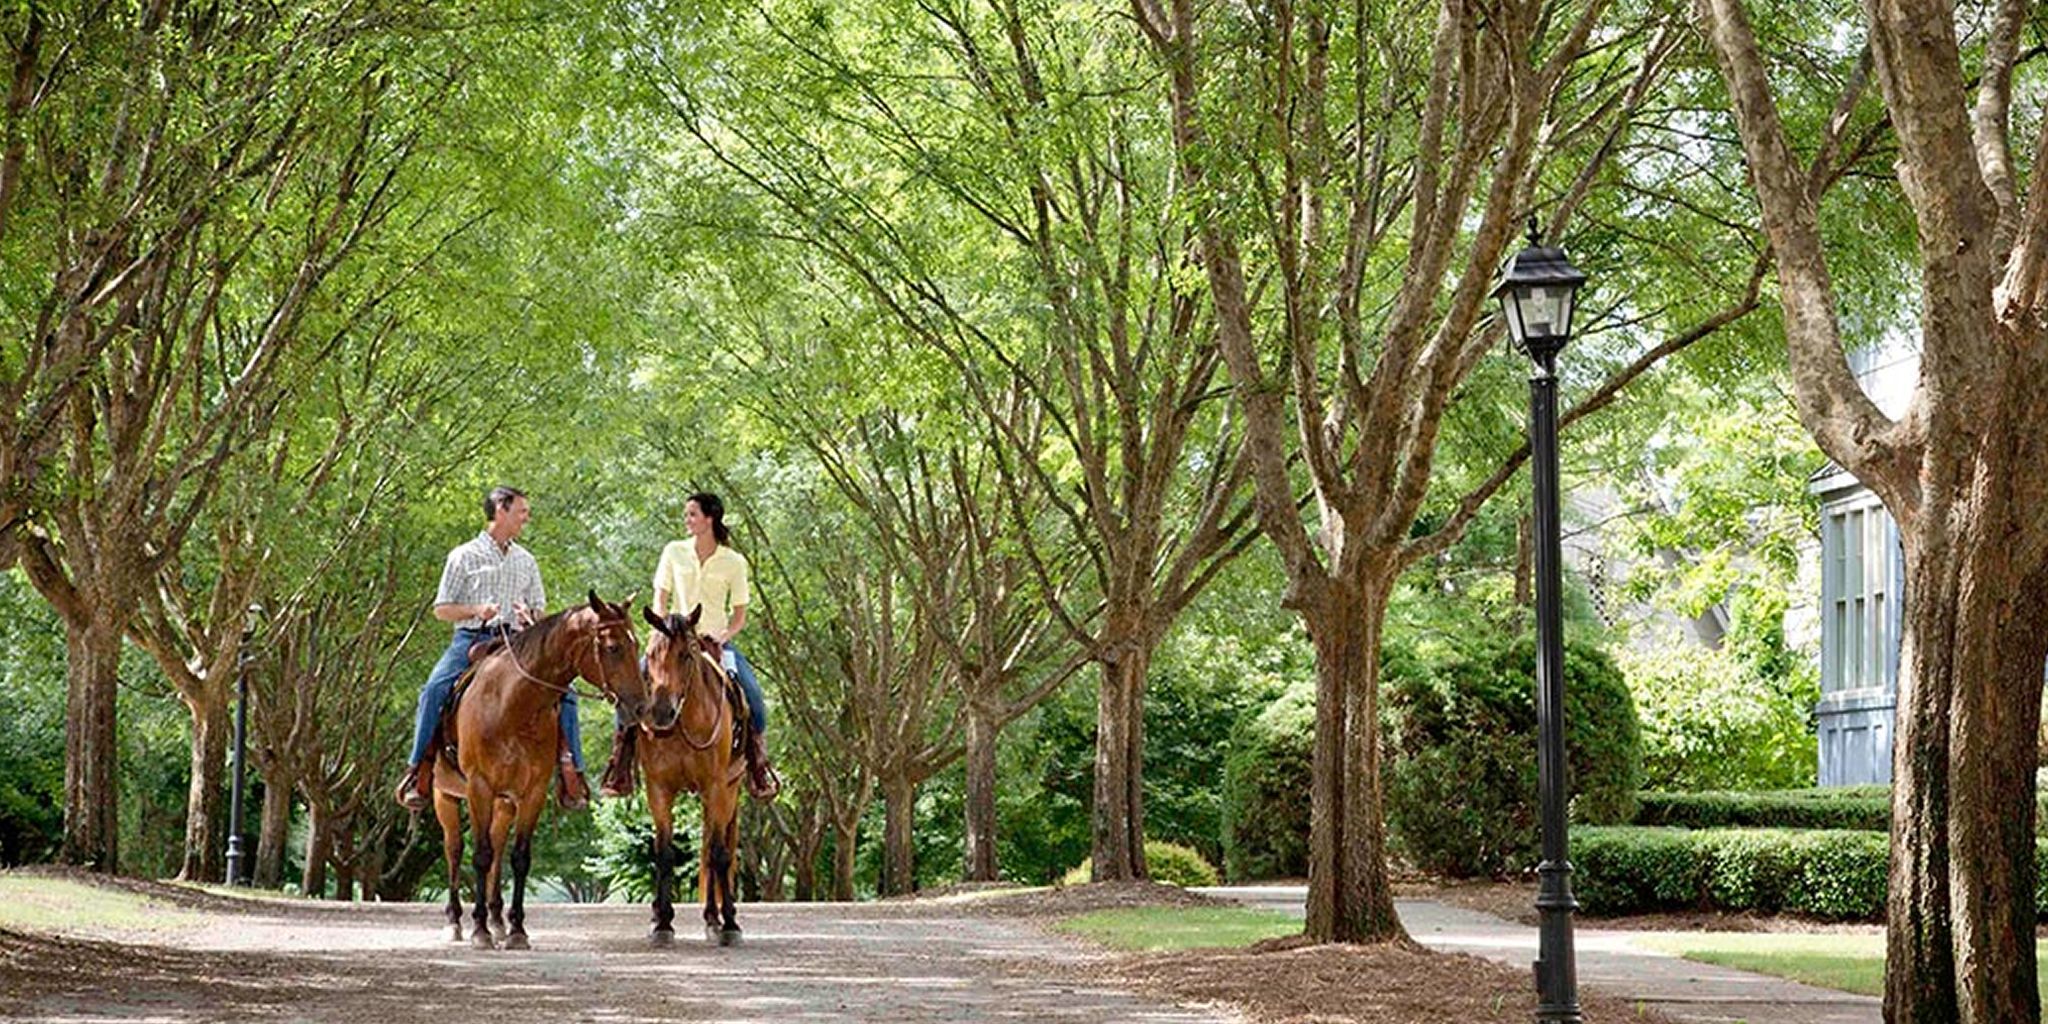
x,y
1536,296
237,857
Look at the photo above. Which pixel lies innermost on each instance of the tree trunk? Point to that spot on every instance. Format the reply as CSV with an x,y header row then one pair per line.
x,y
319,847
1349,896
1961,912
92,792
980,862
1118,849
205,800
274,832
899,813
845,840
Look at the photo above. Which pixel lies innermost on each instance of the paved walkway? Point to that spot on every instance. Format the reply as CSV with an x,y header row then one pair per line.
x,y
1615,962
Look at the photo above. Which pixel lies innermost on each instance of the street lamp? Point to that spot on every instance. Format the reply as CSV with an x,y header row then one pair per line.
x,y
237,858
1536,297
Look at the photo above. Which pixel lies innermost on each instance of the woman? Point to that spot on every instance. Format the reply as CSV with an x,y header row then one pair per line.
x,y
704,571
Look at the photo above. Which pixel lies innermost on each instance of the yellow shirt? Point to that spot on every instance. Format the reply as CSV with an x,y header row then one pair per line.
x,y
719,583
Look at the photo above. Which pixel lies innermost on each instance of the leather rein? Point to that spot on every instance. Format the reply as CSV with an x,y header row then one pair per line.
x,y
596,635
724,710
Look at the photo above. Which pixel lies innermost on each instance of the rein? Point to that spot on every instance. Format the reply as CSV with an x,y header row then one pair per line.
x,y
512,653
724,711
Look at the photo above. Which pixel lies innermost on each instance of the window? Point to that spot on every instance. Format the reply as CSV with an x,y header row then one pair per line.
x,y
1858,550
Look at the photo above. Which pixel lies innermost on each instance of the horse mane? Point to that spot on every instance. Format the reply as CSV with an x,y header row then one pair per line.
x,y
530,643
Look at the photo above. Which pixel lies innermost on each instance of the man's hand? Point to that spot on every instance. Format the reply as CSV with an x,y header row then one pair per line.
x,y
522,615
486,612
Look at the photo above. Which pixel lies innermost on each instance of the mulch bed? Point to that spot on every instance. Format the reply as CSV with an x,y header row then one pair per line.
x,y
1288,981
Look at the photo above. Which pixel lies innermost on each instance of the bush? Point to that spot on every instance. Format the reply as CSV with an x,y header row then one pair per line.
x,y
1736,718
1856,807
1266,789
1830,873
1460,743
1170,863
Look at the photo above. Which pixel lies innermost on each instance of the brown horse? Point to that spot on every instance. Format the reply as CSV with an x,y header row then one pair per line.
x,y
507,742
687,744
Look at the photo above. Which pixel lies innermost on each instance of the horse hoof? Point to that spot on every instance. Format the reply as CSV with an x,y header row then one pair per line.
x,y
455,933
499,932
482,939
516,940
662,938
729,936
714,935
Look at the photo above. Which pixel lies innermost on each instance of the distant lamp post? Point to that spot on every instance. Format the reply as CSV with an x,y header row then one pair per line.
x,y
237,855
1536,296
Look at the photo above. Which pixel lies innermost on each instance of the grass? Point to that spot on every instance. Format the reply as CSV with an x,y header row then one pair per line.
x,y
1847,963
1154,929
32,903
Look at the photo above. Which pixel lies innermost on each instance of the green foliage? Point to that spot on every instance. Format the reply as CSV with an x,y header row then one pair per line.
x,y
32,730
1266,789
622,851
1169,863
1829,873
1736,718
1460,742
1849,807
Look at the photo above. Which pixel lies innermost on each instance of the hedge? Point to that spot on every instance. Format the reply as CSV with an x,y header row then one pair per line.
x,y
1829,873
1861,808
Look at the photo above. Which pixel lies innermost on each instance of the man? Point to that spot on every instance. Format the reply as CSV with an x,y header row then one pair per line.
x,y
489,585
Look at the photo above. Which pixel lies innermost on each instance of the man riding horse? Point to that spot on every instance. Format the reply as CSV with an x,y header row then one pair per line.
x,y
490,587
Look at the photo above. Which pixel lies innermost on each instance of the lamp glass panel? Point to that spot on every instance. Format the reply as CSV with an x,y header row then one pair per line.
x,y
1511,306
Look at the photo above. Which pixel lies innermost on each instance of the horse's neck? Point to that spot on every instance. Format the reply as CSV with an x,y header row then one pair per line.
x,y
539,677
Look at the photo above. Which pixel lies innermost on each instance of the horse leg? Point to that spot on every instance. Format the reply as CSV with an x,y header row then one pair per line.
x,y
522,862
707,884
661,806
724,863
450,815
501,827
482,809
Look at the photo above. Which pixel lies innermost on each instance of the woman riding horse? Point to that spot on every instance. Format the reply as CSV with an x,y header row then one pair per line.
x,y
507,741
688,746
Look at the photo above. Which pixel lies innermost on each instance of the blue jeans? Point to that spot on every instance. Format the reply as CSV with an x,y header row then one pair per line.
x,y
441,681
743,670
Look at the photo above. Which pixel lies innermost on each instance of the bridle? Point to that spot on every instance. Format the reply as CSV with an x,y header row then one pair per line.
x,y
724,707
596,657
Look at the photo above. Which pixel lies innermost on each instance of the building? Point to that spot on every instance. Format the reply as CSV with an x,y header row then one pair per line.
x,y
1862,587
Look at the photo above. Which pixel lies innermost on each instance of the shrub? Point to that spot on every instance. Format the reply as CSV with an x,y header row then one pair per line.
x,y
1859,807
1830,873
1460,742
1169,863
1736,718
1266,789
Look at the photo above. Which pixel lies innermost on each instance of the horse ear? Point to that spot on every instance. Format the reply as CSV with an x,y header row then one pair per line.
x,y
596,605
656,621
628,602
695,614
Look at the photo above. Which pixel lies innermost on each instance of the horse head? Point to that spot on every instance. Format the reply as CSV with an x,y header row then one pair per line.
x,y
617,653
670,665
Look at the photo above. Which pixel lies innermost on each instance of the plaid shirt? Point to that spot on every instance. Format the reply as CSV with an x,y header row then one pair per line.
x,y
478,573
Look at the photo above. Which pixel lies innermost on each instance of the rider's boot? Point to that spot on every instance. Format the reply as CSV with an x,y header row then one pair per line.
x,y
620,773
762,782
574,792
416,790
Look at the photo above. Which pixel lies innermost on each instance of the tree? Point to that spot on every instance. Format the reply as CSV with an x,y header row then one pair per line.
x,y
1961,470
210,301
1022,174
1355,182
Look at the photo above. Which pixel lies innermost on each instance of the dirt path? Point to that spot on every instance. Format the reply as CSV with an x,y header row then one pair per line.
x,y
815,962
